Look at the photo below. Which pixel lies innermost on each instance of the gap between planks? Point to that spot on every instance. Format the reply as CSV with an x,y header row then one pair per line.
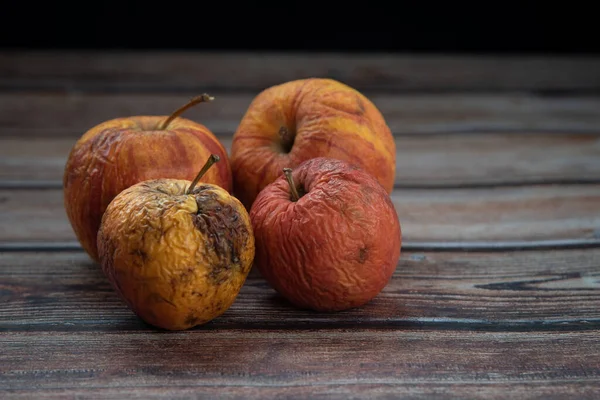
x,y
478,246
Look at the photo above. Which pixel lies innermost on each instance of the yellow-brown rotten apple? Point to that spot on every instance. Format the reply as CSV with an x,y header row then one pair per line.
x,y
118,153
303,119
177,254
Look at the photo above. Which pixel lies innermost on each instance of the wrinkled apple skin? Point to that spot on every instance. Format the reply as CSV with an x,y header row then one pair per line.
x,y
177,260
335,248
325,118
118,153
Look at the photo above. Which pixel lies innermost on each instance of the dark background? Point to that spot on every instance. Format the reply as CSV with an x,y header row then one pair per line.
x,y
366,26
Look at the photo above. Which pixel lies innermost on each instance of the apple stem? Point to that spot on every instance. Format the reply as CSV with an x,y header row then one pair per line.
x,y
288,175
203,98
211,160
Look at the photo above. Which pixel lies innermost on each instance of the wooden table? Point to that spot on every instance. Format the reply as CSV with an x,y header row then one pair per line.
x,y
496,295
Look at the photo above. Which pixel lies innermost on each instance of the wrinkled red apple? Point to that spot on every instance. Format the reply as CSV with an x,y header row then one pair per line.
x,y
327,235
121,152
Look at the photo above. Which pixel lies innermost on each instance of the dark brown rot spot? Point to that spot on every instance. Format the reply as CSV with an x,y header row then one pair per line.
x,y
362,255
201,188
223,228
143,256
220,306
186,275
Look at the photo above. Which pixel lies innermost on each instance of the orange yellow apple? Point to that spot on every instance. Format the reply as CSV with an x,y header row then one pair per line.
x,y
290,123
176,253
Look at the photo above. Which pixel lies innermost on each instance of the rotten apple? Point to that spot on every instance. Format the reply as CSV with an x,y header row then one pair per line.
x,y
118,153
298,120
177,253
327,235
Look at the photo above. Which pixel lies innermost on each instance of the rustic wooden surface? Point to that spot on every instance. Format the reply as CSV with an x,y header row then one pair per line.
x,y
72,111
497,292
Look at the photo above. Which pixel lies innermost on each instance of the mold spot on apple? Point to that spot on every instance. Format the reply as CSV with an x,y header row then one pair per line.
x,y
141,254
226,232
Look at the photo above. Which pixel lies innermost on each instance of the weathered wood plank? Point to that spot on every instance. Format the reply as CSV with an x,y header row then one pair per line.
x,y
314,363
192,71
423,161
72,113
460,215
553,290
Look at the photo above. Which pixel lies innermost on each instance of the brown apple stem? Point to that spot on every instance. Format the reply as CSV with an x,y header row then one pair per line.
x,y
203,98
211,160
288,175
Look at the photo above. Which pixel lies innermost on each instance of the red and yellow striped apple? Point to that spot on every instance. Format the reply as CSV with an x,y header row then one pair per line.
x,y
121,152
303,119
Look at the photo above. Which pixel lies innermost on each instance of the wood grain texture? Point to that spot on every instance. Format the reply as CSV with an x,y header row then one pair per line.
x,y
315,363
192,71
459,215
70,114
556,290
421,161
447,324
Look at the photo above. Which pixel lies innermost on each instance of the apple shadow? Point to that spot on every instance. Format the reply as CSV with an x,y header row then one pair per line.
x,y
97,305
256,307
380,312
